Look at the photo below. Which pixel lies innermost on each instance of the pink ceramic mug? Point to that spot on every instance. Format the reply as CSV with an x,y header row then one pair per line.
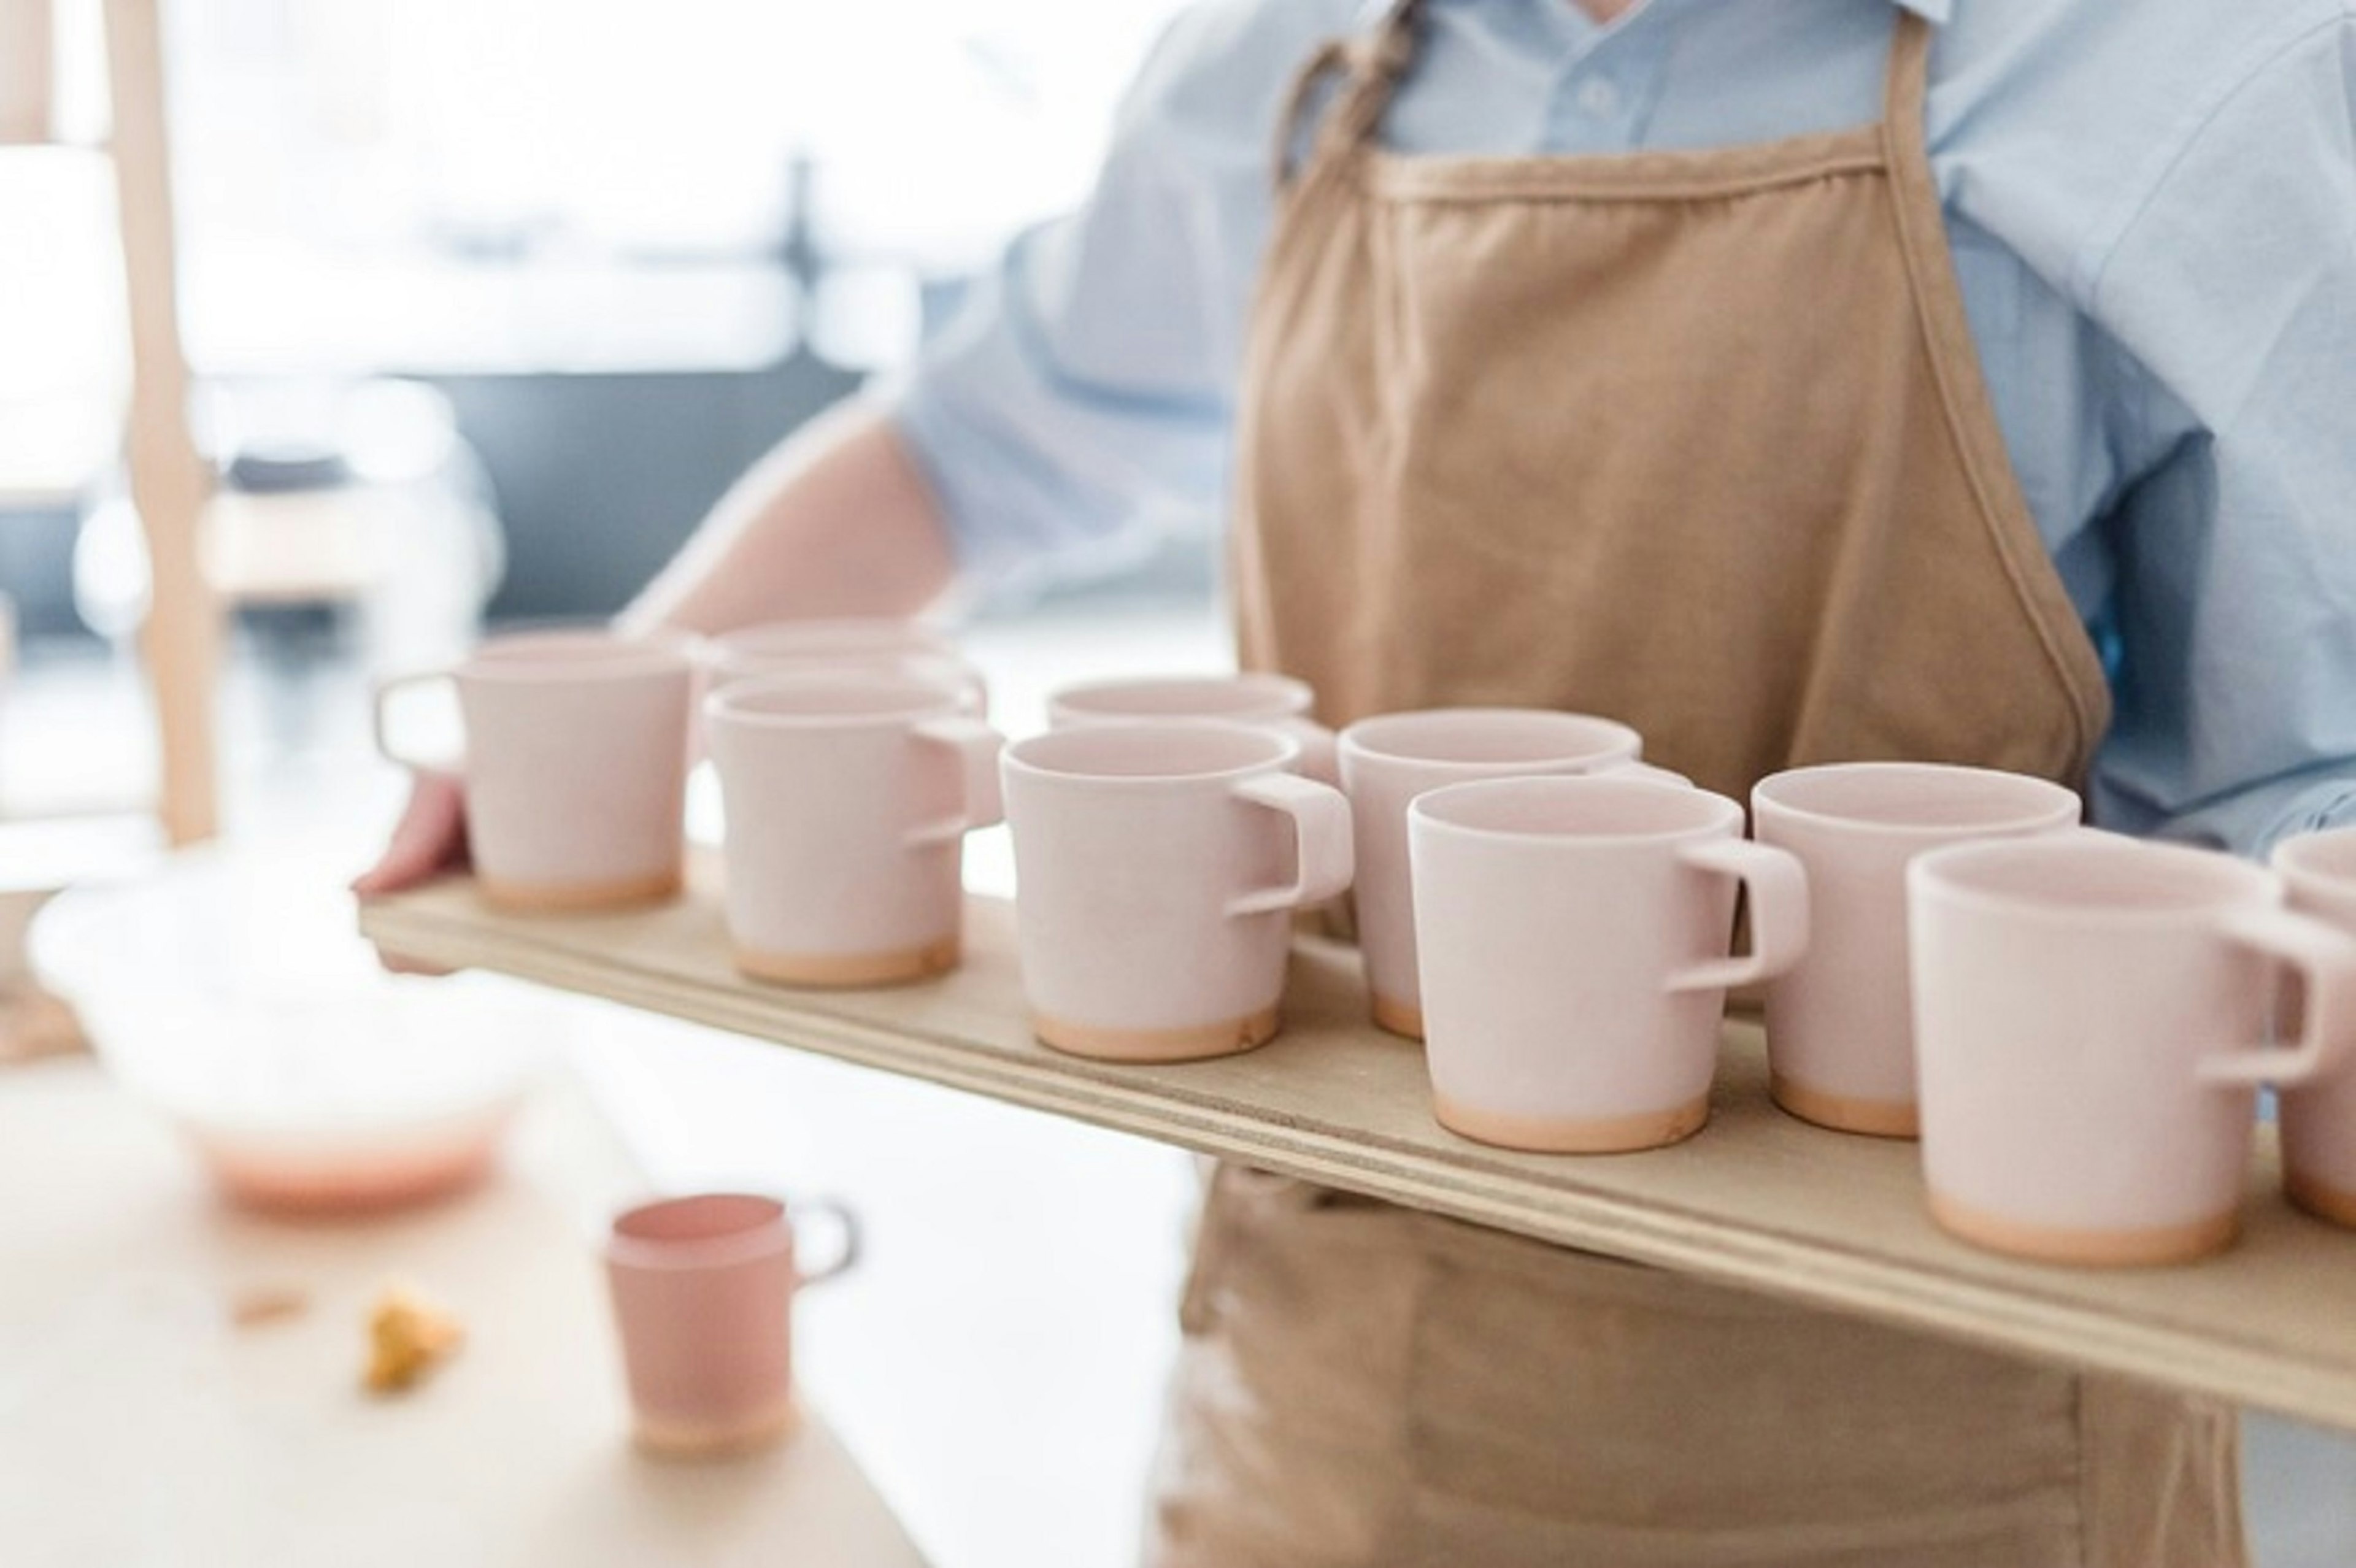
x,y
2087,1014
1840,1039
894,648
1387,760
1261,700
1156,866
575,765
847,800
2319,1118
704,1292
1573,934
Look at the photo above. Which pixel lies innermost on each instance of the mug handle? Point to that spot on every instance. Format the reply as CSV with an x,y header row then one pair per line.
x,y
1779,912
978,804
1321,758
1323,850
2326,958
846,1226
379,715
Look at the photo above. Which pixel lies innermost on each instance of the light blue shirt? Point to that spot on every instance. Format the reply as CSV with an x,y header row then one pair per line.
x,y
2152,206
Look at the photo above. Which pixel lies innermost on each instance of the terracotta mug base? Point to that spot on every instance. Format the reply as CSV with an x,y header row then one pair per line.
x,y
568,898
1399,1017
1565,1134
670,1438
1199,1043
2100,1249
2319,1198
850,971
1845,1113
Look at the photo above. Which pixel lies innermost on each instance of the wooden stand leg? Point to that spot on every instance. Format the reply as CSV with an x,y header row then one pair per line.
x,y
168,479
27,71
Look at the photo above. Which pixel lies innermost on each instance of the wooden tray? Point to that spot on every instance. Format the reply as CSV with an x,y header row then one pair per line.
x,y
1757,1198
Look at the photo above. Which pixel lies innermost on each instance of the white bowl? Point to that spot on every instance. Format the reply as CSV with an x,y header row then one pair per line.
x,y
234,994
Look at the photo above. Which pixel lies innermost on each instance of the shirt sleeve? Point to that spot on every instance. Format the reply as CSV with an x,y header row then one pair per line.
x,y
2234,284
1087,389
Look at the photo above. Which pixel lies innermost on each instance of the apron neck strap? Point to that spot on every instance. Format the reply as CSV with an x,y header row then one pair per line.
x,y
1905,87
1370,66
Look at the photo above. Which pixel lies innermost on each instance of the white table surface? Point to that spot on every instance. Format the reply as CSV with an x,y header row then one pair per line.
x,y
140,1426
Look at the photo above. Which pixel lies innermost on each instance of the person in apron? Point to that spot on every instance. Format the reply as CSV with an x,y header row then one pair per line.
x,y
1782,528
1851,572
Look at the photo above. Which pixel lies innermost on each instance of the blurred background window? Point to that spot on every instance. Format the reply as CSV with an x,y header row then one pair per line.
x,y
529,185
631,245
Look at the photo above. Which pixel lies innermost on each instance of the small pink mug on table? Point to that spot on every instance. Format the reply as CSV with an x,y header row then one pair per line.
x,y
704,1291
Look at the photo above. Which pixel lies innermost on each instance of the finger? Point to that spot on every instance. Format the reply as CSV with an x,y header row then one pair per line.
x,y
401,964
429,838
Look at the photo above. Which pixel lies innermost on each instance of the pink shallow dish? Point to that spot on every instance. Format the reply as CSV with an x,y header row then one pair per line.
x,y
233,996
358,1171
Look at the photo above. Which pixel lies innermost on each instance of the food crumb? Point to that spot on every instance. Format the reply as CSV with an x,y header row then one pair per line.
x,y
408,1337
258,1305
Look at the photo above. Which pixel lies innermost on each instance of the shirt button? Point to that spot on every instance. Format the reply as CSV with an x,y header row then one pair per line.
x,y
1597,96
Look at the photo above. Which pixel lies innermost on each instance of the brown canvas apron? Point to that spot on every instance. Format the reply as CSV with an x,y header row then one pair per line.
x,y
1698,440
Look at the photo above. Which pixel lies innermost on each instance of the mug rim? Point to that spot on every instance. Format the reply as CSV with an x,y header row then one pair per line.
x,y
766,1231
733,664
1295,695
584,653
818,635
1021,757
1367,737
1771,796
1713,812
2324,859
1960,875
736,702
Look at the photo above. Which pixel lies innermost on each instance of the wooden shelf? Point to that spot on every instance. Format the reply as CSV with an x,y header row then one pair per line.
x,y
1756,1200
